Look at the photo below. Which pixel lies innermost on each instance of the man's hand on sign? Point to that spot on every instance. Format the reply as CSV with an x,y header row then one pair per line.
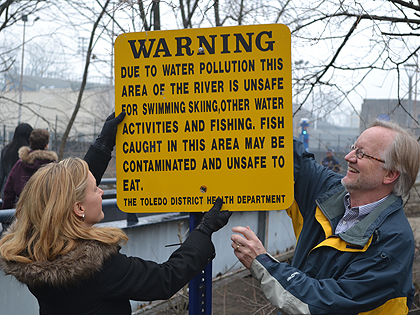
x,y
246,248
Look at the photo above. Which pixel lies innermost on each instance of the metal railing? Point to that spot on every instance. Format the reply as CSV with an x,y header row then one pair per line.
x,y
7,216
109,201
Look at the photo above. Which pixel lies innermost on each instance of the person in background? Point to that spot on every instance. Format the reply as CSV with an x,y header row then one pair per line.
x,y
355,246
30,160
9,154
331,162
74,267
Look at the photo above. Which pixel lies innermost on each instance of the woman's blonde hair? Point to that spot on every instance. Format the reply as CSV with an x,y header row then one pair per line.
x,y
46,225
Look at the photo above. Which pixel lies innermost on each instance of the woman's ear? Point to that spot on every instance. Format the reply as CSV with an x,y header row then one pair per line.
x,y
78,210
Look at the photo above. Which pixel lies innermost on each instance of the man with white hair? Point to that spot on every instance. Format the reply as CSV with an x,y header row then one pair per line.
x,y
355,247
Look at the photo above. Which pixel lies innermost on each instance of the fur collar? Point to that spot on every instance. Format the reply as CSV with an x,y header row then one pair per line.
x,y
29,157
77,265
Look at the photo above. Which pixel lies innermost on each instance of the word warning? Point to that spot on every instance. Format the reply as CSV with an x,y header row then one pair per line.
x,y
209,113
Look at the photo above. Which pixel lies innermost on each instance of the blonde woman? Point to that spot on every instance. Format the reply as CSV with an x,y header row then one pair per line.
x,y
73,267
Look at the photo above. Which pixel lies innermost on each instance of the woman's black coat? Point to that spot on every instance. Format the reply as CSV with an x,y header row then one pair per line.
x,y
96,278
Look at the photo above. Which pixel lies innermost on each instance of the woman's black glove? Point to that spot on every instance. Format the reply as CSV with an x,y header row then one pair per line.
x,y
215,219
106,139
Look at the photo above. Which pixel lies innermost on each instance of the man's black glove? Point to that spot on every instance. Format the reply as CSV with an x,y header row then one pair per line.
x,y
106,139
215,219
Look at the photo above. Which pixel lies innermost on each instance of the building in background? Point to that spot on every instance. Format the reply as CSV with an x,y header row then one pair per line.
x,y
390,109
49,103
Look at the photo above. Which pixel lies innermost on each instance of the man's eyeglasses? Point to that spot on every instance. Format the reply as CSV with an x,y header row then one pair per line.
x,y
360,154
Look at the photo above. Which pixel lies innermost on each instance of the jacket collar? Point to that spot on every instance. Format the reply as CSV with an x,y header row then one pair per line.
x,y
332,206
29,157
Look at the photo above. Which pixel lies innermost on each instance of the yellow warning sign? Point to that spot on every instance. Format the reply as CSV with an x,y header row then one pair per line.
x,y
209,113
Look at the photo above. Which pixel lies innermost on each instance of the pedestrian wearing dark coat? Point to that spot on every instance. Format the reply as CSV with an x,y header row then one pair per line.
x,y
9,154
30,160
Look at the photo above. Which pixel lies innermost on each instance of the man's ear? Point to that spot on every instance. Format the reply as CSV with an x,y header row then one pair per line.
x,y
391,177
78,210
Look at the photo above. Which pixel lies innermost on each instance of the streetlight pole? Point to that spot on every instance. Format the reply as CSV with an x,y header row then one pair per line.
x,y
411,69
24,19
410,88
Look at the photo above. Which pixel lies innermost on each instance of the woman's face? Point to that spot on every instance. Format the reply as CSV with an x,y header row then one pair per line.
x,y
92,204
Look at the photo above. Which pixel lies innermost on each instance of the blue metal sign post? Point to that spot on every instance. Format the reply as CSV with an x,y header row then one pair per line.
x,y
200,288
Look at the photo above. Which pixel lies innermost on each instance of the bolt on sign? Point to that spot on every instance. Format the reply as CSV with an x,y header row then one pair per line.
x,y
209,113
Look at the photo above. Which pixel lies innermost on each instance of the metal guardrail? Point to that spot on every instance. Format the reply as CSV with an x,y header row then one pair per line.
x,y
7,216
109,201
108,181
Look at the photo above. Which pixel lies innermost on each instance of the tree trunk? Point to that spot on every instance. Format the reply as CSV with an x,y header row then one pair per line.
x,y
83,85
